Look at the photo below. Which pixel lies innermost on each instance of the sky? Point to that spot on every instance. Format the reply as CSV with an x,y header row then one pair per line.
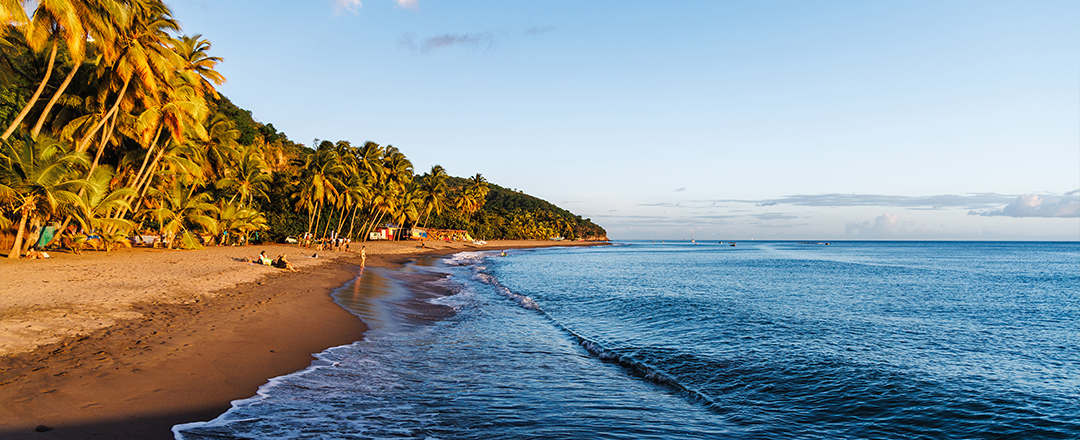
x,y
721,120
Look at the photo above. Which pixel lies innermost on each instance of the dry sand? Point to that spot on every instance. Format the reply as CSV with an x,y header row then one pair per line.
x,y
128,343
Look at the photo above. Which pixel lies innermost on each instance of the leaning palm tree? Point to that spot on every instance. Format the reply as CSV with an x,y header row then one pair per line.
x,y
53,22
39,175
144,60
71,23
99,20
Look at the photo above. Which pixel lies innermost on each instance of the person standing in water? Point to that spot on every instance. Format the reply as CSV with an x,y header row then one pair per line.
x,y
363,256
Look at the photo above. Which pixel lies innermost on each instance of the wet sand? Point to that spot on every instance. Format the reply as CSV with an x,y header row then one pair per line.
x,y
171,344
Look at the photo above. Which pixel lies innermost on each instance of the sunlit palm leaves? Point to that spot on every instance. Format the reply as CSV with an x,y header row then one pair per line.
x,y
38,176
181,215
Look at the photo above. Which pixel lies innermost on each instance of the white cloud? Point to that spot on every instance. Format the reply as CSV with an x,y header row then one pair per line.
x,y
1034,205
407,4
347,5
884,226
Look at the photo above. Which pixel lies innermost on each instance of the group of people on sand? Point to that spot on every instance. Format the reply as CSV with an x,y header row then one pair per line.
x,y
331,243
283,263
280,262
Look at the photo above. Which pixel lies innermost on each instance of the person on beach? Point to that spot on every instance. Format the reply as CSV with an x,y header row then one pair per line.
x,y
262,259
363,256
282,263
35,254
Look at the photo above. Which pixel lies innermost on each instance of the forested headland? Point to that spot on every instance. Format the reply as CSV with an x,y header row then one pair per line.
x,y
113,127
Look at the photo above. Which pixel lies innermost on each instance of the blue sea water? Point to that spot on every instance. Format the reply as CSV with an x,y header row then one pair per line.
x,y
764,340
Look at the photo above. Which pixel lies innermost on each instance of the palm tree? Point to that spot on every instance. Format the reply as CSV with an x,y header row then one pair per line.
x,y
97,203
248,177
193,51
222,146
407,208
477,188
52,21
181,213
356,189
181,114
433,191
39,176
99,20
72,23
239,222
319,183
144,56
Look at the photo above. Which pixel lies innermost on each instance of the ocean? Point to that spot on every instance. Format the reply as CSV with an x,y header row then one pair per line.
x,y
677,340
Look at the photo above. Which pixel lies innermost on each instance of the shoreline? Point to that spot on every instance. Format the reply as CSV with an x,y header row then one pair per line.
x,y
184,358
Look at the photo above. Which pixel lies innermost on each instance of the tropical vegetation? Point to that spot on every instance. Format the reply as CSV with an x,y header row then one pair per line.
x,y
112,128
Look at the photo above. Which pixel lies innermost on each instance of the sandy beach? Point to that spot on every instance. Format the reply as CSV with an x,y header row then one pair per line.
x,y
129,343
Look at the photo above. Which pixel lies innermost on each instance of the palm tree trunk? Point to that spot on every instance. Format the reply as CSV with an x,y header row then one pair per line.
x,y
16,248
310,220
149,152
326,228
35,226
366,231
55,97
105,137
341,221
378,219
352,222
379,214
318,218
33,99
85,143
146,181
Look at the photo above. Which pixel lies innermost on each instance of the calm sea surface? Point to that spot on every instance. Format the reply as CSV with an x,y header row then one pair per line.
x,y
765,340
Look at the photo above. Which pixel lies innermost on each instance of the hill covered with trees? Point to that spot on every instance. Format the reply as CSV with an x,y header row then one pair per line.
x,y
112,127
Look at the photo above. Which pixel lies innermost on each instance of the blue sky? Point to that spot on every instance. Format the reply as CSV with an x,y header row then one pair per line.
x,y
768,119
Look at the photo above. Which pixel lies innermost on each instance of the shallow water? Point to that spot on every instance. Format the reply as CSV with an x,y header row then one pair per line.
x,y
644,340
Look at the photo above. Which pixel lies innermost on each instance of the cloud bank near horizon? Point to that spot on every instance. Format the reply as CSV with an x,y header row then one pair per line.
x,y
966,201
983,204
1034,205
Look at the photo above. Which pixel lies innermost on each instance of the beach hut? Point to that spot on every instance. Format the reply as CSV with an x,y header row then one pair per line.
x,y
383,233
418,234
